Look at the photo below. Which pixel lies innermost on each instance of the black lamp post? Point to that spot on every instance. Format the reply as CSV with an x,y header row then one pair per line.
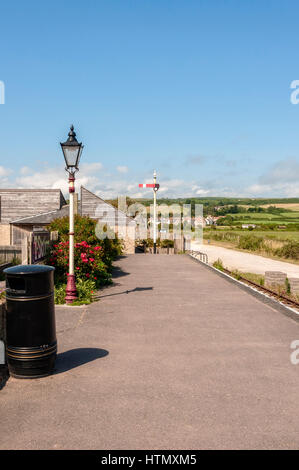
x,y
72,150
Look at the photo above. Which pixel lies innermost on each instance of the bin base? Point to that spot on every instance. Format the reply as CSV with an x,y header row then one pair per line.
x,y
15,376
31,363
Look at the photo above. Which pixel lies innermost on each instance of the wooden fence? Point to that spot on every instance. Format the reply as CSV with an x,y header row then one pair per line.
x,y
9,252
32,249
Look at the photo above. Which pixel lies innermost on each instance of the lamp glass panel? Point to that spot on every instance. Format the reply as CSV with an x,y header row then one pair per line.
x,y
71,155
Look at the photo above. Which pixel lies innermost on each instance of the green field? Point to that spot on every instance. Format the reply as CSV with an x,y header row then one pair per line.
x,y
265,218
279,235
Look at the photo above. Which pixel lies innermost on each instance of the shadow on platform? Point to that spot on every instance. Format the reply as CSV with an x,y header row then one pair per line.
x,y
136,289
77,357
118,272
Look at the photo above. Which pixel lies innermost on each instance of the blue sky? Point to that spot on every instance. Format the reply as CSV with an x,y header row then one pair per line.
x,y
199,90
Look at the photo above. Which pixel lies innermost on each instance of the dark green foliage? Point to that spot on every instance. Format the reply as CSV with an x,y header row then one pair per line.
x,y
250,242
289,250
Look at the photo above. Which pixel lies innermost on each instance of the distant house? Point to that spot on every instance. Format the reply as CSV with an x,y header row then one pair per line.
x,y
211,220
248,225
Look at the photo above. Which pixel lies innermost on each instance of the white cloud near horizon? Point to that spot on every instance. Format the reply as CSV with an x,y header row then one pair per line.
x,y
283,171
280,180
4,171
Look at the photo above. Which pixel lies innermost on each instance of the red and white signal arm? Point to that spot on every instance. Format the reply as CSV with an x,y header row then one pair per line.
x,y
154,186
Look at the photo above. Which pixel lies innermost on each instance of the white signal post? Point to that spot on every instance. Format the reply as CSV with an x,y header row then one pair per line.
x,y
155,187
155,212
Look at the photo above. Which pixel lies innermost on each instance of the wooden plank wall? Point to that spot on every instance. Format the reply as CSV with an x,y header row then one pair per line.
x,y
16,204
96,208
124,226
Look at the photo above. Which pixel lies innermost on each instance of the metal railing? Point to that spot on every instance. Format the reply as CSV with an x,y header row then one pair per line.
x,y
203,257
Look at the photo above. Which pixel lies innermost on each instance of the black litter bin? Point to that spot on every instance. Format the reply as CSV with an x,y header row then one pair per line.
x,y
31,345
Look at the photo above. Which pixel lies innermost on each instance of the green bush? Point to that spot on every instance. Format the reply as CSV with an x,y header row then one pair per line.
x,y
167,243
59,294
149,242
111,250
250,242
289,250
218,264
236,274
93,257
85,291
84,229
220,236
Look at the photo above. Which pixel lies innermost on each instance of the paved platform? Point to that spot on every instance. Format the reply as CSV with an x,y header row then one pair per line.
x,y
172,357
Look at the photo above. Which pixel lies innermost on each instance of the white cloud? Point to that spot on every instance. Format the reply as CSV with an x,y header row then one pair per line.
x,y
4,171
281,180
202,192
284,171
90,167
273,190
25,170
122,169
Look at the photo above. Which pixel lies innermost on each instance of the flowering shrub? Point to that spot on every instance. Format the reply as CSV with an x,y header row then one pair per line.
x,y
93,258
85,229
89,264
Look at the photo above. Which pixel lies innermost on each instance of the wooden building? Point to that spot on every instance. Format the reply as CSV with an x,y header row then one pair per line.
x,y
25,210
20,203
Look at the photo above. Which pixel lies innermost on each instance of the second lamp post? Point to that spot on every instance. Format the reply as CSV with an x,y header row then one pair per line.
x,y
72,150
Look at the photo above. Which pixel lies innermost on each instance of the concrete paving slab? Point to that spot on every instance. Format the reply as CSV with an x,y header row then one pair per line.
x,y
172,357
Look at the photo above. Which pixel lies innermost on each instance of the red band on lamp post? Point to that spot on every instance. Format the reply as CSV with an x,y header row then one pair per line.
x,y
71,184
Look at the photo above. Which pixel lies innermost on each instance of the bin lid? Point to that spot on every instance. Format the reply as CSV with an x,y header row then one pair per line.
x,y
28,269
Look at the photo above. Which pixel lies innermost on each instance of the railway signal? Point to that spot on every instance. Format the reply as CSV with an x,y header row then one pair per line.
x,y
155,188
